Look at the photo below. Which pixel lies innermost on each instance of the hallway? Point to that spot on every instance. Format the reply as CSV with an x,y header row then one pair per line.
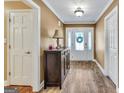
x,y
84,77
35,31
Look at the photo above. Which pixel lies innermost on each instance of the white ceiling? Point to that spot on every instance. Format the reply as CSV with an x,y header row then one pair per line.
x,y
64,10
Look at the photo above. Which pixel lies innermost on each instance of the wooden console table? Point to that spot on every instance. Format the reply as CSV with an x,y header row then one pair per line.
x,y
56,67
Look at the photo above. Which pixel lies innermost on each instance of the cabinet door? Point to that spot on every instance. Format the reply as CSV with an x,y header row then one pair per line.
x,y
52,68
66,63
68,59
62,67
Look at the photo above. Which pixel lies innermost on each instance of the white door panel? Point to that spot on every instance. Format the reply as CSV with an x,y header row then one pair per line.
x,y
80,50
111,25
21,47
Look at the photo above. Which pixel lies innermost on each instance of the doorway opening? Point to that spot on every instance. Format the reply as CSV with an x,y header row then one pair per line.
x,y
81,43
35,50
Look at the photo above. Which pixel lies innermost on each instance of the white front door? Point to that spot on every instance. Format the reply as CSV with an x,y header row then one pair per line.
x,y
80,41
21,40
111,25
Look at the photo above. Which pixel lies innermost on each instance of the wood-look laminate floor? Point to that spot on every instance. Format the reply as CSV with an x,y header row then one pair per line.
x,y
84,77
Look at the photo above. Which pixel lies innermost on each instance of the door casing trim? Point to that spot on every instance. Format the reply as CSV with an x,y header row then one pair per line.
x,y
36,79
66,36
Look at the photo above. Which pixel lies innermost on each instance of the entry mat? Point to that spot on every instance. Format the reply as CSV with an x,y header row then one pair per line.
x,y
11,90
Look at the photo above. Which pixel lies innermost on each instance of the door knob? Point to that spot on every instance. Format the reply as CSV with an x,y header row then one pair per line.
x,y
28,52
85,46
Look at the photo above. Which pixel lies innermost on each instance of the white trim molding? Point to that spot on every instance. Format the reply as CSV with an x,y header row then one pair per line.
x,y
103,11
117,90
11,0
41,85
100,67
83,22
36,66
37,15
52,9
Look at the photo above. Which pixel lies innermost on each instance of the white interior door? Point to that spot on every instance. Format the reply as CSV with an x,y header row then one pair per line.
x,y
21,47
111,23
80,41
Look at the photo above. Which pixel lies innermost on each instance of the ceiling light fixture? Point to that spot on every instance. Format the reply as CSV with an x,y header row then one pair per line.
x,y
79,12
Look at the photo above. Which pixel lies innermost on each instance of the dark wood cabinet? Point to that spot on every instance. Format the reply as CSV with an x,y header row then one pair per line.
x,y
57,65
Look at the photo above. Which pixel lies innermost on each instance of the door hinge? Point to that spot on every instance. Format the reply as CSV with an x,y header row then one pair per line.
x,y
9,46
9,73
9,19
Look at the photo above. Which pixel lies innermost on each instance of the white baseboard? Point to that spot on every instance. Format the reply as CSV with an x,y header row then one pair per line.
x,y
39,87
6,83
42,85
101,68
117,90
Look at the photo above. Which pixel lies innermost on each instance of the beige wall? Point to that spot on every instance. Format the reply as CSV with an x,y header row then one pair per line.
x,y
8,6
49,22
99,35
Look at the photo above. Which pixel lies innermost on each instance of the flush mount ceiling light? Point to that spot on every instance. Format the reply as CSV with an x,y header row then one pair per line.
x,y
79,12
